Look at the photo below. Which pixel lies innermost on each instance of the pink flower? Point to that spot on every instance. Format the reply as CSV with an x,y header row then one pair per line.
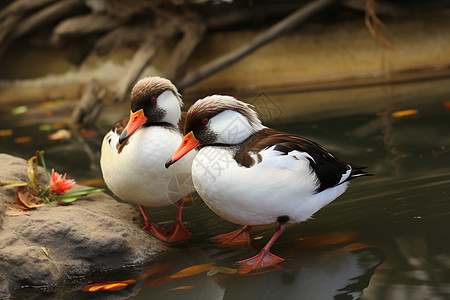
x,y
59,184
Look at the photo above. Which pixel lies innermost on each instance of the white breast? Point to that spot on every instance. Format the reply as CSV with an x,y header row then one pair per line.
x,y
138,174
281,185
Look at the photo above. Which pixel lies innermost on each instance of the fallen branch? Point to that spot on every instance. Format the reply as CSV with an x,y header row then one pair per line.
x,y
265,37
21,7
47,16
89,106
83,25
143,56
375,25
193,35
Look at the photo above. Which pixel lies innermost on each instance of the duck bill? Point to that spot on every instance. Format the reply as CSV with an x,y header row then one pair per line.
x,y
137,119
188,143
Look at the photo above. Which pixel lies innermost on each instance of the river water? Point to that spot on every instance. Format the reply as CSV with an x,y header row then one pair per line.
x,y
387,237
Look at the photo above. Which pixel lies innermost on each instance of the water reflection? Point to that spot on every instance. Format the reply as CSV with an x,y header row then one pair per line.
x,y
338,276
331,272
402,214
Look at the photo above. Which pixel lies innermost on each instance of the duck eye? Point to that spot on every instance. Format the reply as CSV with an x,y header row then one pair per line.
x,y
205,121
153,99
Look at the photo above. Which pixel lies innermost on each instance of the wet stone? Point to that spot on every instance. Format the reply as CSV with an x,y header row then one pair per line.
x,y
96,234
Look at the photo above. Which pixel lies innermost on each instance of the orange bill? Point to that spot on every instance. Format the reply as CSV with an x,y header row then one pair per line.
x,y
137,119
188,143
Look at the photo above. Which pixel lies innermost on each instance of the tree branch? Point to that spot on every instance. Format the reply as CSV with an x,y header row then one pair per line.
x,y
193,35
265,37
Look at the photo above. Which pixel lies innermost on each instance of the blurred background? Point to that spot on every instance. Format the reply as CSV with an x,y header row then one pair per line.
x,y
97,48
367,79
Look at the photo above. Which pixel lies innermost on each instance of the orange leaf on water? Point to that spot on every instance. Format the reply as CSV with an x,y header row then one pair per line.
x,y
155,270
108,286
346,249
6,132
327,239
194,270
59,125
184,287
159,281
447,104
226,270
86,133
405,113
23,139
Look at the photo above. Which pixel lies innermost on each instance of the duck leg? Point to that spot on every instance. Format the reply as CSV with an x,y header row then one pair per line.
x,y
151,228
264,258
177,232
234,238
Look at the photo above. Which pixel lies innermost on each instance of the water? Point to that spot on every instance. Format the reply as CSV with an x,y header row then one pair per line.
x,y
387,237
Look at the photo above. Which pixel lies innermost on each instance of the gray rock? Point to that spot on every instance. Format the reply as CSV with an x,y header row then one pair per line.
x,y
94,234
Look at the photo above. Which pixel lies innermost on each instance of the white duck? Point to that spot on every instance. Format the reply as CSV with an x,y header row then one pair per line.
x,y
252,175
135,150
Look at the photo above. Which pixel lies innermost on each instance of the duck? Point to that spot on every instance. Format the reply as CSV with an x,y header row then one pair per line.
x,y
136,148
250,174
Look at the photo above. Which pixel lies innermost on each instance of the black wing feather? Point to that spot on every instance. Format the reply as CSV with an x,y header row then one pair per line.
x,y
327,167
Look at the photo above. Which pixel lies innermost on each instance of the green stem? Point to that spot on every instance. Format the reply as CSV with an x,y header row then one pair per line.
x,y
84,192
41,157
44,192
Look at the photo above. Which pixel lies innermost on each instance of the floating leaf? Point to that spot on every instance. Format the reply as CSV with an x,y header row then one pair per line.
x,y
405,113
447,104
156,269
184,287
45,127
23,139
346,249
108,286
19,110
59,125
6,132
86,133
61,134
212,272
226,270
327,239
159,281
194,270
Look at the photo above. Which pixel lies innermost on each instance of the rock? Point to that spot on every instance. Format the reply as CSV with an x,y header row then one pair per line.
x,y
94,234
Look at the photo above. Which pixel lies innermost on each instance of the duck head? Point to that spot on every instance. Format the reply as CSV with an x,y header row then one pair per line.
x,y
217,120
153,100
